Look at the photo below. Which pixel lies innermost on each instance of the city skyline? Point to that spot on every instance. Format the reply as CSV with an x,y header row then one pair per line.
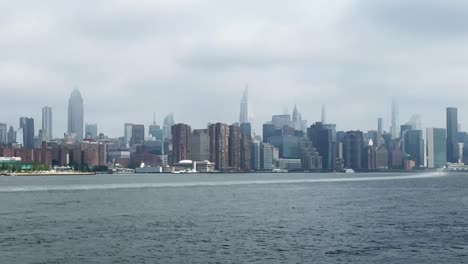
x,y
345,56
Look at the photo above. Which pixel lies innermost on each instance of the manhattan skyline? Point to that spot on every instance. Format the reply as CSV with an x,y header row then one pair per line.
x,y
354,55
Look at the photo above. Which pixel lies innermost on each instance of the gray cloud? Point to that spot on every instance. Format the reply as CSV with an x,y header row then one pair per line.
x,y
194,57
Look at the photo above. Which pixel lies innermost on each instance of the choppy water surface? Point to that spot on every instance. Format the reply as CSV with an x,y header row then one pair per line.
x,y
263,218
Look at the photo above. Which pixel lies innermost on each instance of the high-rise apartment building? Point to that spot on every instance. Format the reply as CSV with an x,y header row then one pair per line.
x,y
181,134
234,147
219,145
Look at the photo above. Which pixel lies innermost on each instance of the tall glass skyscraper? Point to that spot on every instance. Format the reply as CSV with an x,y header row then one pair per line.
x,y
47,122
452,134
76,115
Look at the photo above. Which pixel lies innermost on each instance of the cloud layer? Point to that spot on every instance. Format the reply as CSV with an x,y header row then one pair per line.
x,y
194,57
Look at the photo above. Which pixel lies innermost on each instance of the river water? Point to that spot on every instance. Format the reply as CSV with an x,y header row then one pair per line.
x,y
235,218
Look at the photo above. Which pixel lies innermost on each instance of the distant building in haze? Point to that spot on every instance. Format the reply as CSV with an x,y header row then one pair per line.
x,y
91,131
11,137
199,145
76,115
3,133
436,147
323,140
138,135
395,115
156,131
168,123
47,122
127,134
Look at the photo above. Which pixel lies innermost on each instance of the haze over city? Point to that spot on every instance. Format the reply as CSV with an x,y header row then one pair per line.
x,y
194,58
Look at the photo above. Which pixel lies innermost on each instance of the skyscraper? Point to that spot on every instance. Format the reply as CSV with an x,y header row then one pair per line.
x,y
244,107
47,122
436,147
452,134
181,134
27,127
3,133
76,115
395,113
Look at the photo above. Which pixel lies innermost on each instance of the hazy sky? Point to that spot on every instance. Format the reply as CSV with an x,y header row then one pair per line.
x,y
193,57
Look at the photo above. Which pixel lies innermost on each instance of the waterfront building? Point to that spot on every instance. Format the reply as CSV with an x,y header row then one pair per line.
x,y
436,147
76,115
181,134
322,137
266,156
47,123
414,146
255,155
381,158
352,148
246,152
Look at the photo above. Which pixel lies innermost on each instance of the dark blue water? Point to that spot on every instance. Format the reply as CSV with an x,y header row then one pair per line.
x,y
250,218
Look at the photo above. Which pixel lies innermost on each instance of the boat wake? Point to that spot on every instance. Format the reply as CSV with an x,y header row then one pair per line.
x,y
83,187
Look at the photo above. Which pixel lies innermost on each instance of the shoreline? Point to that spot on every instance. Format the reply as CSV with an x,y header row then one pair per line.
x,y
49,174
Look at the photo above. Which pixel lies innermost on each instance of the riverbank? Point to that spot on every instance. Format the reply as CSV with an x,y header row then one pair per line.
x,y
48,173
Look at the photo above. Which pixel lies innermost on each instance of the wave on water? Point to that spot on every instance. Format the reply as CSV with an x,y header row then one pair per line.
x,y
78,187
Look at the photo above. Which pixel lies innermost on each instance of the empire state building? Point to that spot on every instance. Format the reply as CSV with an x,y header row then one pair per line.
x,y
75,115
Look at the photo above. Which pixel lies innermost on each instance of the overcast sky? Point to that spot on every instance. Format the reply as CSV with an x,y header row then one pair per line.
x,y
194,57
